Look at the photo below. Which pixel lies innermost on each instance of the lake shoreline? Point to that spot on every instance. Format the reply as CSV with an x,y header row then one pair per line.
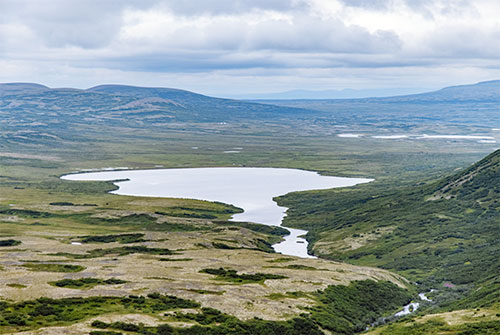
x,y
249,188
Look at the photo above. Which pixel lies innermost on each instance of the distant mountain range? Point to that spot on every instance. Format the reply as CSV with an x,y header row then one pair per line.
x,y
483,91
463,106
38,106
31,113
486,90
347,93
480,91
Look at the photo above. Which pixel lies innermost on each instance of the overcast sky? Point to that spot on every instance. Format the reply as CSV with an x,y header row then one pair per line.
x,y
230,47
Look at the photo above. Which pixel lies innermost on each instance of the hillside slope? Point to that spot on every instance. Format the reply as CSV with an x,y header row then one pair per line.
x,y
482,91
464,105
444,235
33,114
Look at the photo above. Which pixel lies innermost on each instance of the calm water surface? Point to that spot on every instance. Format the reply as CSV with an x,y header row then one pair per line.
x,y
252,189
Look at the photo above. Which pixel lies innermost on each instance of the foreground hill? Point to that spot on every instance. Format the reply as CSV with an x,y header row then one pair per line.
x,y
443,235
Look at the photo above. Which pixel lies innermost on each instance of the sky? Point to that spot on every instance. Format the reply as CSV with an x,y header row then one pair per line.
x,y
238,47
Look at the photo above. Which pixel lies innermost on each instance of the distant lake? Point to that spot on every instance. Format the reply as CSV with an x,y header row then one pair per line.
x,y
251,189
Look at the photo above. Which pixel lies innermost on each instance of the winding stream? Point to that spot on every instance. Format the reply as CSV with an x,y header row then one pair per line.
x,y
413,306
251,189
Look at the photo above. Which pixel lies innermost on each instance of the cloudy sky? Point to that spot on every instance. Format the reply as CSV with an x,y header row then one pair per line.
x,y
232,47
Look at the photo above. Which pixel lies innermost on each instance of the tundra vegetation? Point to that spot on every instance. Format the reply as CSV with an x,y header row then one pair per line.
x,y
110,264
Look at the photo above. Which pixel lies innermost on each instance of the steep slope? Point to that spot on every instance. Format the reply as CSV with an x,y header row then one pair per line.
x,y
444,235
479,182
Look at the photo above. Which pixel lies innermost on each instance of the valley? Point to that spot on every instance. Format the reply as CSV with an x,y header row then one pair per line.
x,y
428,221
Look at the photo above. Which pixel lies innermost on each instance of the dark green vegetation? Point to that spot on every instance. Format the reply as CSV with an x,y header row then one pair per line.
x,y
9,243
440,327
443,231
50,267
105,332
206,291
86,283
118,251
340,309
227,326
121,238
199,213
232,276
259,228
15,285
300,267
65,203
50,312
348,309
260,244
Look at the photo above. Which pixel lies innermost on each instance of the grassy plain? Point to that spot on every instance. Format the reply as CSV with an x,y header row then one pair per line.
x,y
61,223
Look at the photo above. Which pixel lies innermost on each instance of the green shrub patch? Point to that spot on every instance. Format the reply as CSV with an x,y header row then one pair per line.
x,y
9,243
86,283
232,276
120,238
50,267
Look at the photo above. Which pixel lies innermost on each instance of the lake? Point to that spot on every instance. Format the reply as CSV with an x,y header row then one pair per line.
x,y
251,189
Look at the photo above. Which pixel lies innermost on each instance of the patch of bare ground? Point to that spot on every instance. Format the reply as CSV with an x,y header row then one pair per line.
x,y
463,316
10,218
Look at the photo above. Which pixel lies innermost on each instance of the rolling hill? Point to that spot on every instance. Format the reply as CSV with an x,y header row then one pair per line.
x,y
443,235
463,106
33,114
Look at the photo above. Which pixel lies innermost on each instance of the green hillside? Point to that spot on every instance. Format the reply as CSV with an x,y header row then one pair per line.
x,y
443,235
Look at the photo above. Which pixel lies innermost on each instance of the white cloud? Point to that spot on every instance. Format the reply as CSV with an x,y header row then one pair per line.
x,y
313,43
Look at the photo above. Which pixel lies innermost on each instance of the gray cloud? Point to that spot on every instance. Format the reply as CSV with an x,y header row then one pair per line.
x,y
465,42
224,7
86,24
371,4
298,35
213,36
318,35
